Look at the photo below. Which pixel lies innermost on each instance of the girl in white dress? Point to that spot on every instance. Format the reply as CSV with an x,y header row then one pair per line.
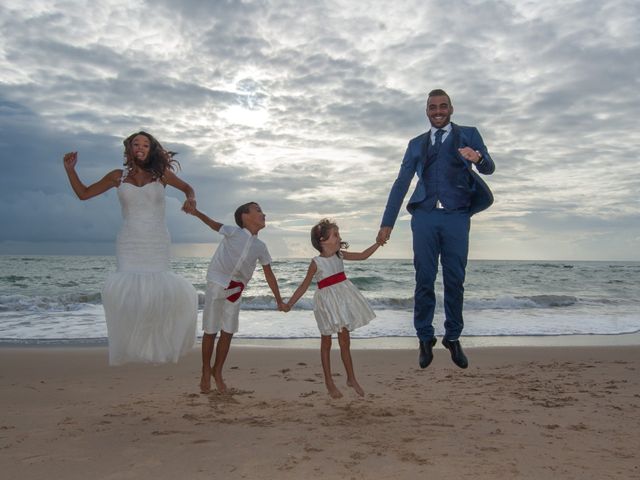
x,y
338,306
151,312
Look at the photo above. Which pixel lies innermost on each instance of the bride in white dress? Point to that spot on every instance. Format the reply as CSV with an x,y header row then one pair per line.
x,y
150,311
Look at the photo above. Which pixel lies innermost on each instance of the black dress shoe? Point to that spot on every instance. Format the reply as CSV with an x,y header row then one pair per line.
x,y
457,355
426,352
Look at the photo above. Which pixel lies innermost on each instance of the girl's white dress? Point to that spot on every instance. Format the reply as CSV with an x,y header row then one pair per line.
x,y
340,305
151,312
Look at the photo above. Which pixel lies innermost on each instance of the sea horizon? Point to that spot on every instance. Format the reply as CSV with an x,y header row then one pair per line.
x,y
175,257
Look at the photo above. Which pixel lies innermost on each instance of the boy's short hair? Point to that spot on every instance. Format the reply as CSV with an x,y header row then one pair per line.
x,y
240,210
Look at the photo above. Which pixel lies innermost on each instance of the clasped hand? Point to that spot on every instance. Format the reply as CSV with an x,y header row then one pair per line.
x,y
189,206
284,307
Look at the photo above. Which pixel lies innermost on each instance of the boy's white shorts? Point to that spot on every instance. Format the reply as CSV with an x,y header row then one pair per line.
x,y
219,313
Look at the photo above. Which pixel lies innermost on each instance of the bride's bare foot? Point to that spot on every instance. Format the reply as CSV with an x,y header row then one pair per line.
x,y
205,382
333,391
356,386
220,385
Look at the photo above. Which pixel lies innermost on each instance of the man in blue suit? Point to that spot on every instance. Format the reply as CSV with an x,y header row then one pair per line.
x,y
448,192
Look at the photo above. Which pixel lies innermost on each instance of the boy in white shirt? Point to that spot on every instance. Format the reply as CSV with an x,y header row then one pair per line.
x,y
230,270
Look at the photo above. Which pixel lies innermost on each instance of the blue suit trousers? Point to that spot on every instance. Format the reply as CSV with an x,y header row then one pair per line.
x,y
443,234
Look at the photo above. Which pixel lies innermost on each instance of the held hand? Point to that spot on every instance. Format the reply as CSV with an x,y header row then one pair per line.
x,y
469,154
284,307
69,160
189,206
383,235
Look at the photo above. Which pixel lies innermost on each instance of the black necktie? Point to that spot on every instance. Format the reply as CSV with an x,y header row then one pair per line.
x,y
436,145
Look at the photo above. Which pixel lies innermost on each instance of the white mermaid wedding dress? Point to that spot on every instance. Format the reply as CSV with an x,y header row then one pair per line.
x,y
151,312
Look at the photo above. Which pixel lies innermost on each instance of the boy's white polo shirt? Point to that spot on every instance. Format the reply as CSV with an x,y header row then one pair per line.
x,y
236,256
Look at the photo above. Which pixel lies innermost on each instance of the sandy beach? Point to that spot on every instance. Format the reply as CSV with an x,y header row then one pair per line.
x,y
562,412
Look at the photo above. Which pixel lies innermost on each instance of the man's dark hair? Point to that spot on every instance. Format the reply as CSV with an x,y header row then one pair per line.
x,y
240,210
438,92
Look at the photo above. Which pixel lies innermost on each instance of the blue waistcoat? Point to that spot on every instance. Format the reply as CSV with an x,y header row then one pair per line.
x,y
446,178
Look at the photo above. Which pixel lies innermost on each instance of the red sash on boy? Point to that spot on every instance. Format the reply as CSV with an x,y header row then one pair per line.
x,y
235,296
332,280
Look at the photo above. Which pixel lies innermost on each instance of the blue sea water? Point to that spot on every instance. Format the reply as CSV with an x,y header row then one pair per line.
x,y
56,299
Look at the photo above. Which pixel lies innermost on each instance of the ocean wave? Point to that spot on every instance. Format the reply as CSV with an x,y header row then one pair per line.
x,y
508,302
504,302
550,265
13,278
366,282
66,302
75,301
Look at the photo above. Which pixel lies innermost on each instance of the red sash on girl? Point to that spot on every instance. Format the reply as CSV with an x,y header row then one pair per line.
x,y
235,296
332,280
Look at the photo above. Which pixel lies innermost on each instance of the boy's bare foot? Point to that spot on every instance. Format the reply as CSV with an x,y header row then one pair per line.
x,y
334,392
205,382
356,386
220,385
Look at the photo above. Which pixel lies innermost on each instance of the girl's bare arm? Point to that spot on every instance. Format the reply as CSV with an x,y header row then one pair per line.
x,y
360,255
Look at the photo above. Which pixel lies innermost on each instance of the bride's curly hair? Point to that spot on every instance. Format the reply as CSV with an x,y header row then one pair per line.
x,y
158,160
320,232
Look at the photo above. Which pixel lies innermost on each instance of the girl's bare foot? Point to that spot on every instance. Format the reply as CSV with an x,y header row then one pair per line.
x,y
356,386
333,391
220,385
205,382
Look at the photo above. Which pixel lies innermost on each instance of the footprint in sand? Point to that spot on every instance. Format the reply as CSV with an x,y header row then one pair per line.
x,y
308,394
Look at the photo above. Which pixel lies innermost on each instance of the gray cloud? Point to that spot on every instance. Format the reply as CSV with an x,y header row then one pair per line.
x,y
307,108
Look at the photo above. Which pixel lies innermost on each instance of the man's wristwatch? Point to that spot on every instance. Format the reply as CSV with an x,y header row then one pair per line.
x,y
481,159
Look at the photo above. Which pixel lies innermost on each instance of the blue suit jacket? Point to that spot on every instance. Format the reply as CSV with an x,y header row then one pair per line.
x,y
413,164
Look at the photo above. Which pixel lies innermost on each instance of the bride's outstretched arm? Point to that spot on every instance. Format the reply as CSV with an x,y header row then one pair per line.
x,y
84,192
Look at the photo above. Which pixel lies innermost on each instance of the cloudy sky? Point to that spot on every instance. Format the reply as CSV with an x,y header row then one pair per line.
x,y
307,108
